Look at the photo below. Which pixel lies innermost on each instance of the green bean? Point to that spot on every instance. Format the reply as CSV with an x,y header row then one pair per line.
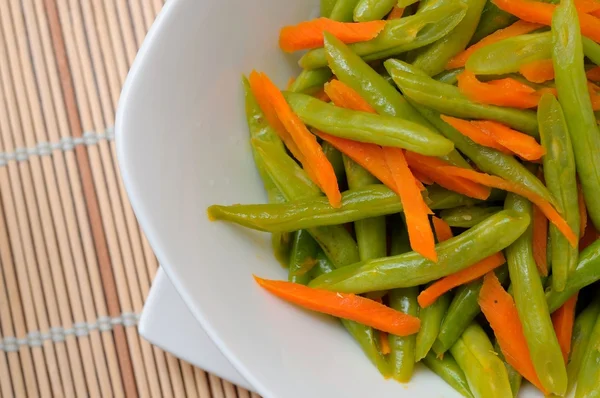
x,y
448,99
488,160
316,212
508,55
370,232
571,83
449,371
433,58
591,49
450,76
365,336
584,274
466,217
371,10
260,130
431,321
336,159
384,98
399,35
588,380
492,19
303,257
309,80
485,372
406,3
326,7
514,377
412,269
463,309
368,127
343,10
561,180
532,306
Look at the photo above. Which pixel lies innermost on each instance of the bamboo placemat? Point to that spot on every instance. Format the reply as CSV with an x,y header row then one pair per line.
x,y
74,266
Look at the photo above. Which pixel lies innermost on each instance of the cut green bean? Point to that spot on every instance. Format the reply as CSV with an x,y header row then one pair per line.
x,y
571,84
326,6
591,49
515,379
532,306
309,80
448,99
343,10
447,368
449,77
561,180
303,257
431,321
466,217
335,158
588,380
371,10
492,19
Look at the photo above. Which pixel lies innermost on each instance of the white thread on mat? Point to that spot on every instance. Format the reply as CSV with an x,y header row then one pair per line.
x,y
59,334
65,144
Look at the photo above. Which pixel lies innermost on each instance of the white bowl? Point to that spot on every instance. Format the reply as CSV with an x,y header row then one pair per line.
x,y
183,145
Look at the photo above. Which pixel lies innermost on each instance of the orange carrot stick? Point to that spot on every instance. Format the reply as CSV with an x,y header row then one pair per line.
x,y
587,6
428,166
539,71
344,96
540,240
471,131
510,84
396,13
344,305
538,12
442,230
415,208
421,177
499,308
309,34
305,140
384,343
469,274
521,144
594,74
582,210
516,29
497,182
563,319
489,94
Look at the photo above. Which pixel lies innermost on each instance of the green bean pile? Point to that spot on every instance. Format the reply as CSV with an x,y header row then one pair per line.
x,y
363,247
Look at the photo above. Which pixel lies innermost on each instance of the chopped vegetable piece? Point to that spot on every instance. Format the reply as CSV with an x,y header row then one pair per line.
x,y
540,240
563,320
538,71
486,93
475,133
520,144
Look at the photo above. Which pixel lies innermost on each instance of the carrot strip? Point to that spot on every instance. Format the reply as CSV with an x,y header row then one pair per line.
x,y
415,208
384,343
540,240
594,74
596,14
508,83
309,34
469,274
587,6
306,142
499,309
429,166
321,95
516,29
421,176
471,131
497,182
520,144
442,230
539,71
344,96
344,305
538,12
396,13
583,218
489,94
563,319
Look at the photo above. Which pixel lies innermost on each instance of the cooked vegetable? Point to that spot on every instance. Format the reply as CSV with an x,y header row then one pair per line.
x,y
466,217
563,320
448,369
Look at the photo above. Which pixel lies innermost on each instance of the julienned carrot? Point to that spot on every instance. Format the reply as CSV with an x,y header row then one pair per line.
x,y
429,166
539,71
516,29
396,13
416,210
344,305
304,139
587,6
540,240
487,93
309,34
510,84
594,74
582,210
563,319
262,97
443,232
497,182
469,274
518,143
471,131
344,96
499,309
538,12
422,177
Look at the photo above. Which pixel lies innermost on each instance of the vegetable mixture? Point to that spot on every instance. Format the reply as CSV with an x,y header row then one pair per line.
x,y
433,178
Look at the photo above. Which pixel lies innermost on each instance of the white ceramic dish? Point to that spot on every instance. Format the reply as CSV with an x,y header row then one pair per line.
x,y
182,146
168,323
